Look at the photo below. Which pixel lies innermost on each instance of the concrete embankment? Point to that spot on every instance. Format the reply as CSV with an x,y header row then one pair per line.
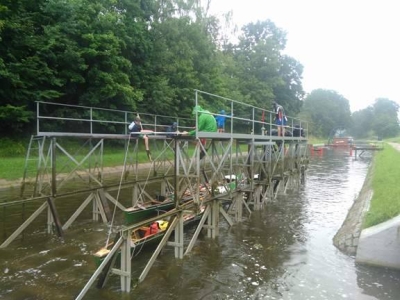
x,y
378,245
347,238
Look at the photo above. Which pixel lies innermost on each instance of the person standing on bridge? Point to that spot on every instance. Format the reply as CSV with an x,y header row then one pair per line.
x,y
136,127
221,118
280,118
206,123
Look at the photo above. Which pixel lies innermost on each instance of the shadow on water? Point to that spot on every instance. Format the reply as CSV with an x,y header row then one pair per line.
x,y
282,252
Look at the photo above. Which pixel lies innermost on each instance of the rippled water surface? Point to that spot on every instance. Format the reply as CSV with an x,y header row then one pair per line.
x,y
282,252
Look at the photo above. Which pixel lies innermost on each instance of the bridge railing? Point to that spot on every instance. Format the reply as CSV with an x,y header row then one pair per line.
x,y
55,118
246,118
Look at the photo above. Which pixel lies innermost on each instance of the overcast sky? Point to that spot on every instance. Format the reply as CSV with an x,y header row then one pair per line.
x,y
349,46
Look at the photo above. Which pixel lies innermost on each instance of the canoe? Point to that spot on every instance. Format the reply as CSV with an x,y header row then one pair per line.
x,y
141,237
146,211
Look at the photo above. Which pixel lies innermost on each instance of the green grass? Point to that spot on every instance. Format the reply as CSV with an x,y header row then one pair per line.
x,y
12,168
316,140
385,202
393,140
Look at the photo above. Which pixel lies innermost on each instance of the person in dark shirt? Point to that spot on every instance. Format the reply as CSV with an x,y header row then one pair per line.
x,y
136,127
172,130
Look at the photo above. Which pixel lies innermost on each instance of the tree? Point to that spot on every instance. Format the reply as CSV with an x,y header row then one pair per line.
x,y
145,56
385,122
326,110
362,122
290,93
258,56
23,74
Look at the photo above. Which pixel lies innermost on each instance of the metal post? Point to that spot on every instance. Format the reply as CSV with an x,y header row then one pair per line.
x,y
91,120
179,237
53,167
126,262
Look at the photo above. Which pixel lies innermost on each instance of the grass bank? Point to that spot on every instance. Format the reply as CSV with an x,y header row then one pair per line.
x,y
316,140
12,167
385,202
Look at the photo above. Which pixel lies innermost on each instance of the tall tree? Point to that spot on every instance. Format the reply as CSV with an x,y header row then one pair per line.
x,y
290,93
264,74
362,122
144,55
184,58
326,110
258,56
386,122
23,74
92,34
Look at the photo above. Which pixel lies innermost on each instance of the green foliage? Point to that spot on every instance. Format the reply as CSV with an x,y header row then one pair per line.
x,y
385,202
12,148
13,119
145,56
361,121
326,110
386,122
380,118
258,56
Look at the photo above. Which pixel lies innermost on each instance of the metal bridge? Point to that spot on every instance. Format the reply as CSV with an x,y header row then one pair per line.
x,y
263,164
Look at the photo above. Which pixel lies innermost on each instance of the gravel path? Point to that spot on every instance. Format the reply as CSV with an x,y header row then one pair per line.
x,y
395,146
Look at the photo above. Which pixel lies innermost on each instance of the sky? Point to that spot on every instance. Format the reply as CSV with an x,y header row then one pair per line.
x,y
349,46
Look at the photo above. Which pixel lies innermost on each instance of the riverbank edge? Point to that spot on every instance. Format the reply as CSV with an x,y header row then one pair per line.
x,y
348,236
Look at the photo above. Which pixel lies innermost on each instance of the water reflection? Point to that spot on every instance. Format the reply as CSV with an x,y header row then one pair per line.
x,y
282,252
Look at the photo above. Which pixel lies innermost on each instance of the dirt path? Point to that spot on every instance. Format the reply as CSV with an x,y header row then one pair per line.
x,y
16,183
395,146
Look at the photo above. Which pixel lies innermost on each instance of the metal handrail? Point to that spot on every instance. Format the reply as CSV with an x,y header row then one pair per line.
x,y
90,116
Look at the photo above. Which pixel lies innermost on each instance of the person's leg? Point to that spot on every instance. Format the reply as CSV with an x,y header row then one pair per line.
x,y
280,126
146,144
203,152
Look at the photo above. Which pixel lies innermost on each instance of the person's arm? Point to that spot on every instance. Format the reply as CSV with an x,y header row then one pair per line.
x,y
200,126
192,132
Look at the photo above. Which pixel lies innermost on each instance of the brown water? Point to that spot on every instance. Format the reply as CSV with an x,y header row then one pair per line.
x,y
282,252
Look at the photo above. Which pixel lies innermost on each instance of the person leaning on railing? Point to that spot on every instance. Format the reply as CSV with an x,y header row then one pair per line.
x,y
206,123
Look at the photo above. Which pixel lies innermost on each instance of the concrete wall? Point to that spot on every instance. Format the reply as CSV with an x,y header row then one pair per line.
x,y
347,237
380,245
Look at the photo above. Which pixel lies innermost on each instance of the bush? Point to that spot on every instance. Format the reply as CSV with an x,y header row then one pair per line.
x,y
12,148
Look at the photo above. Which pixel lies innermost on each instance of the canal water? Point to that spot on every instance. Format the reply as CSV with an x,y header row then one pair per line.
x,y
282,252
